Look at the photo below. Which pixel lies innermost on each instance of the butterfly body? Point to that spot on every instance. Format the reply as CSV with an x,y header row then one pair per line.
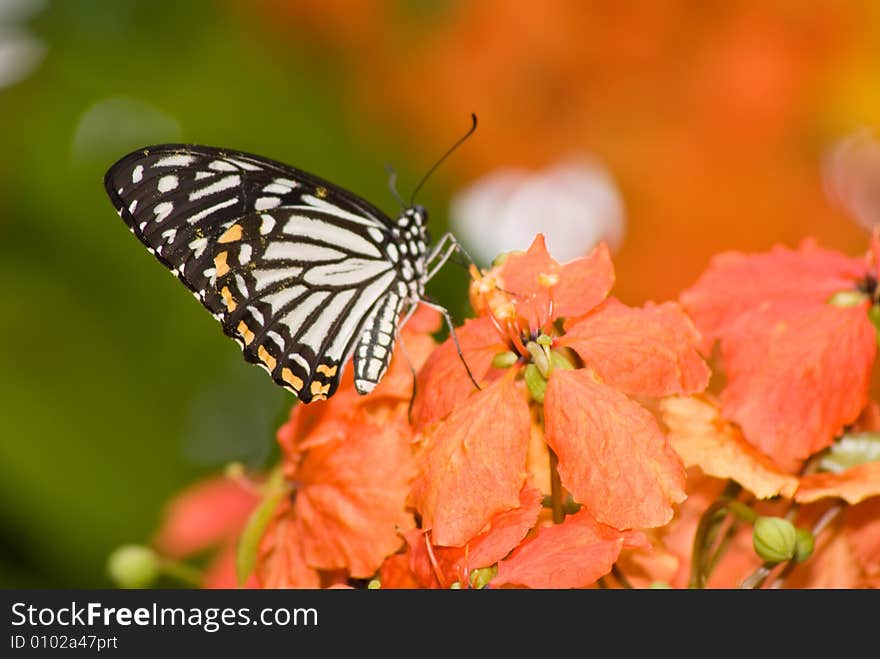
x,y
303,274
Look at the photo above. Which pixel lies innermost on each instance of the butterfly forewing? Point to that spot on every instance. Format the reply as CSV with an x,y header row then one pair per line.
x,y
292,266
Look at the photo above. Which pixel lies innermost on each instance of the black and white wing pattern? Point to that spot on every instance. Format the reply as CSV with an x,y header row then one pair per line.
x,y
301,273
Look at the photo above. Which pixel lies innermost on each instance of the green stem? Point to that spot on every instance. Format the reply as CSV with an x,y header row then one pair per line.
x,y
182,572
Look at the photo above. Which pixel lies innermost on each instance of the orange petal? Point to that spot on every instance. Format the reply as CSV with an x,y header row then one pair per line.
x,y
853,485
613,457
395,573
650,351
583,283
350,498
280,562
506,530
474,464
795,378
443,382
736,283
862,530
528,277
573,554
702,438
205,514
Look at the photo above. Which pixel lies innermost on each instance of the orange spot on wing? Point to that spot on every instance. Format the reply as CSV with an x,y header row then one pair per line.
x,y
288,376
268,359
227,298
327,370
220,263
245,332
232,234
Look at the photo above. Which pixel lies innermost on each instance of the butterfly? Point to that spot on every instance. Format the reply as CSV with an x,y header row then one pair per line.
x,y
302,273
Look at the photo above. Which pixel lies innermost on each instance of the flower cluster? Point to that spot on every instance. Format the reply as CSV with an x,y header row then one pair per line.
x,y
563,439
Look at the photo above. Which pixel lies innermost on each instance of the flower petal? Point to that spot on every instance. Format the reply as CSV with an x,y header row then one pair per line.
x,y
443,382
702,438
573,554
650,351
528,277
796,378
281,563
736,283
862,530
613,458
474,464
204,515
853,485
350,500
583,283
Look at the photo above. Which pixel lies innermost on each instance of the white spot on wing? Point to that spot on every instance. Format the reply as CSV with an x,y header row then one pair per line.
x,y
265,203
223,184
132,206
267,277
222,166
299,225
163,210
137,174
283,297
177,160
345,273
298,315
376,235
301,252
244,253
267,224
320,329
211,209
245,165
198,246
276,188
331,209
167,183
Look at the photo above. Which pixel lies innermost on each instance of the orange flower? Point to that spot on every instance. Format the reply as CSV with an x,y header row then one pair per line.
x,y
348,463
798,369
581,356
209,515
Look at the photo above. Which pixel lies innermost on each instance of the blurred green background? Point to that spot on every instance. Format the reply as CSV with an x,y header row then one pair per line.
x,y
116,387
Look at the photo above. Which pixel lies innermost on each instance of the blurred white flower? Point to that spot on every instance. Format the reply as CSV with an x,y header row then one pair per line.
x,y
851,175
574,203
20,51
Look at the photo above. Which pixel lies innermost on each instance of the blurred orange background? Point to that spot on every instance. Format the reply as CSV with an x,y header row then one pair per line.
x,y
714,116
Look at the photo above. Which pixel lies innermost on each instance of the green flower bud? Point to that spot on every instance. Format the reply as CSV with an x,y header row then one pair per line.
x,y
847,298
456,585
540,358
558,360
774,539
535,382
133,566
804,544
374,584
504,359
480,578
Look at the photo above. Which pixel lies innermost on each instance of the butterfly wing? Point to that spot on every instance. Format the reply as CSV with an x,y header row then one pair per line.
x,y
290,264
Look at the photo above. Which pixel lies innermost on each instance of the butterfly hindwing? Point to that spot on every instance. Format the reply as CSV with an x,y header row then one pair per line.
x,y
292,266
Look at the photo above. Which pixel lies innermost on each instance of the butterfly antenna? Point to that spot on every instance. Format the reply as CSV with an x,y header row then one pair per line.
x,y
392,184
444,157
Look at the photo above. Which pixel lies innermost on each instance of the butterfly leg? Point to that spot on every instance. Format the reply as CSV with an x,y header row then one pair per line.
x,y
453,336
442,251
